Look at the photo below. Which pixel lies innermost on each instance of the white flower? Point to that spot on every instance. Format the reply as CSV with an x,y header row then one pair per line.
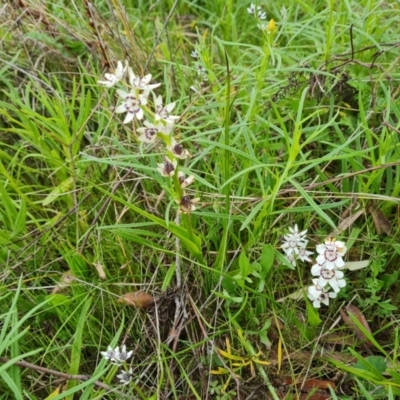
x,y
178,150
263,26
163,112
284,13
167,168
302,253
141,83
201,70
331,253
112,79
185,182
194,54
150,131
252,8
332,277
261,14
123,355
110,354
125,376
294,240
186,205
315,290
292,259
131,105
318,296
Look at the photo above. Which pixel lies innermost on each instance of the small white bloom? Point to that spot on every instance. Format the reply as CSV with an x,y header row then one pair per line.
x,y
293,241
186,205
141,83
292,259
284,13
262,15
123,355
149,131
194,54
200,70
332,277
131,105
252,9
315,290
112,79
125,376
331,253
178,150
110,354
163,112
323,297
185,182
167,168
263,26
303,253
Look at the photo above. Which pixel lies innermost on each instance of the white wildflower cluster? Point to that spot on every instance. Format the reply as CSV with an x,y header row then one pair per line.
x,y
261,16
328,272
119,358
328,268
154,124
295,246
201,70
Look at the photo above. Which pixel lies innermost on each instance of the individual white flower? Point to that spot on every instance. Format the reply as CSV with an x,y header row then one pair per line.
x,y
303,253
294,240
187,205
194,54
167,168
125,376
331,253
323,296
185,182
332,277
292,259
112,79
315,290
149,131
178,150
163,112
141,83
123,355
200,70
263,26
284,13
252,9
131,105
261,15
110,354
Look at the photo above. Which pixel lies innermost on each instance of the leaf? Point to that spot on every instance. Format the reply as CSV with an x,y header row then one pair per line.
x,y
244,264
347,223
58,191
353,310
77,343
100,270
267,259
375,364
356,265
381,223
65,281
138,299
